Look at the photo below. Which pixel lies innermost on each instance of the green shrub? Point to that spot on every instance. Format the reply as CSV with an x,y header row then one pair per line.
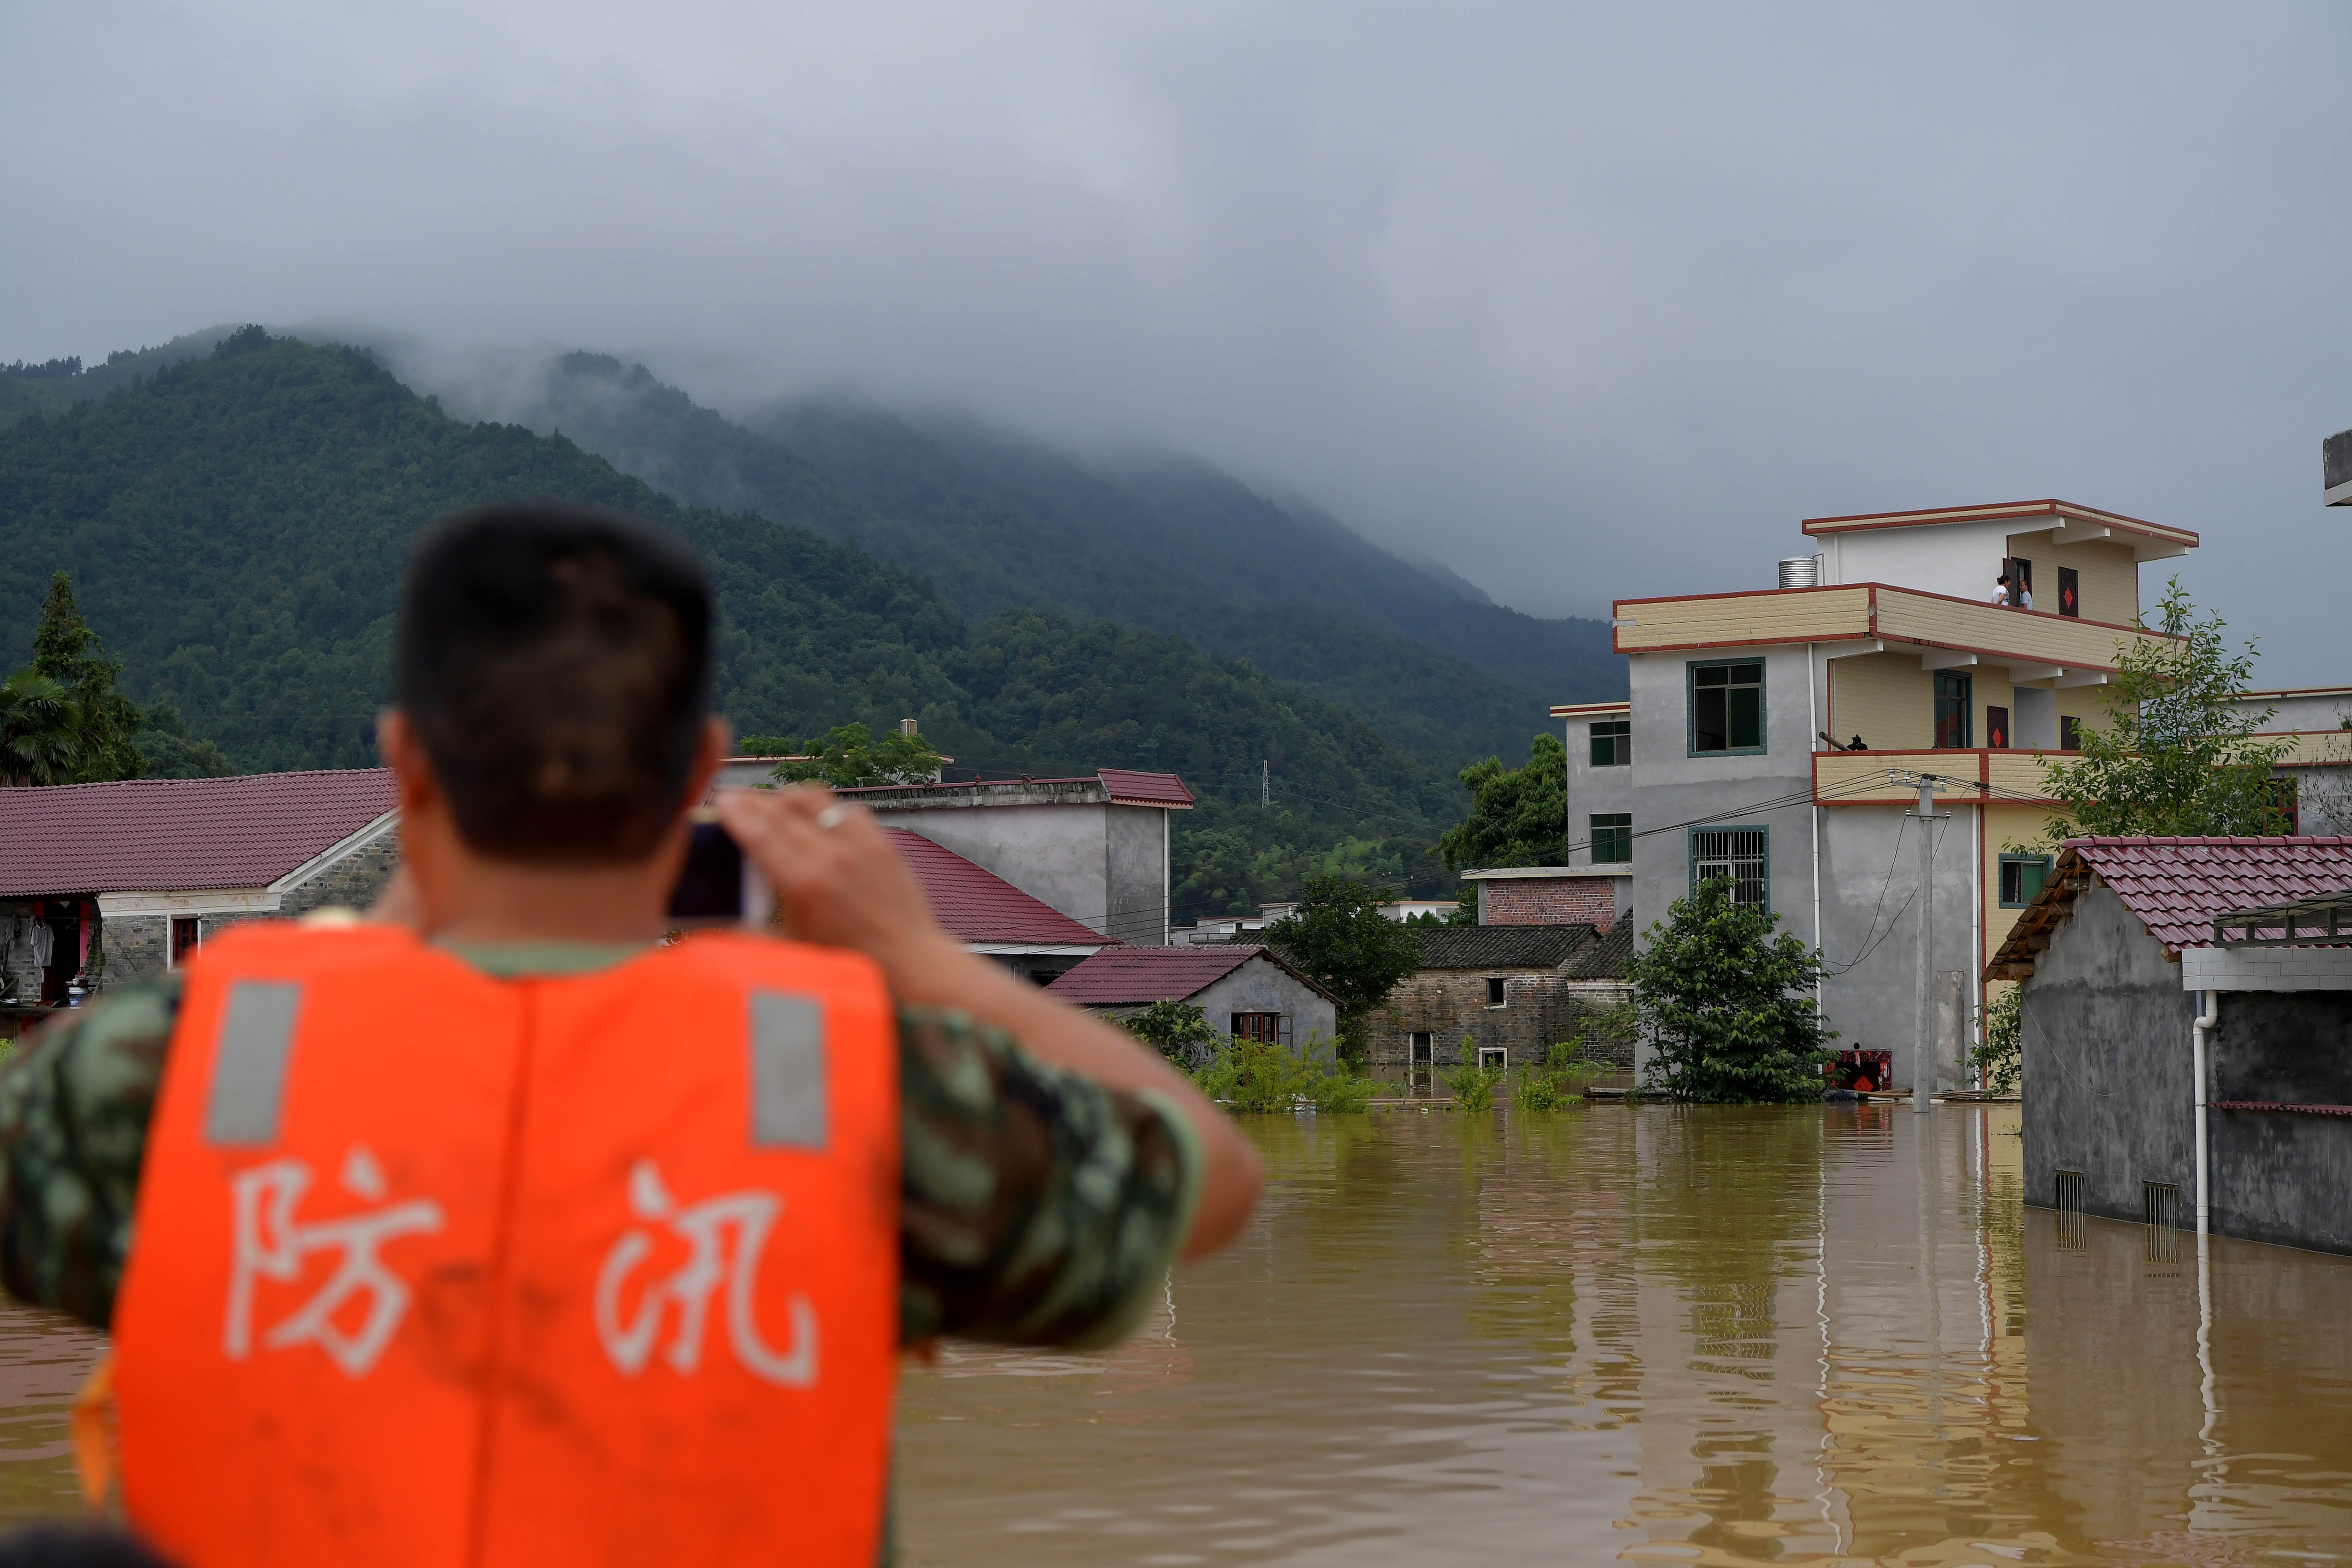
x,y
1559,1081
1472,1085
1725,1004
1176,1030
1261,1075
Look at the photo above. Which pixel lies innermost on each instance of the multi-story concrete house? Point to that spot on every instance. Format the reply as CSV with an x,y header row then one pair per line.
x,y
1728,760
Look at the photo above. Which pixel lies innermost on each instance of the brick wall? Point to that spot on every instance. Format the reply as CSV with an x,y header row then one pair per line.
x,y
1548,901
138,946
351,882
1543,1008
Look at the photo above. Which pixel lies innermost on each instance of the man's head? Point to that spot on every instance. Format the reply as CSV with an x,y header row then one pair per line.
x,y
555,665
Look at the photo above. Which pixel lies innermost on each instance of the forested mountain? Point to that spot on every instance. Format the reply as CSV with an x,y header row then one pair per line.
x,y
236,525
60,383
998,522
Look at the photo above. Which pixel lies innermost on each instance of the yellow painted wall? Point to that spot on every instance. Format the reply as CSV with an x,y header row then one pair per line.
x,y
1890,701
2109,575
2023,826
1758,618
1885,697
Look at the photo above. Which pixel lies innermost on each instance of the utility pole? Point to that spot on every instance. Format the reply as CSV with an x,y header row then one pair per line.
x,y
1923,1062
1265,785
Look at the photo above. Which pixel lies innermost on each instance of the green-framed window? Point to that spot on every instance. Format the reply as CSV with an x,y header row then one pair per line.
x,y
2022,877
1613,838
1742,854
1612,743
1727,706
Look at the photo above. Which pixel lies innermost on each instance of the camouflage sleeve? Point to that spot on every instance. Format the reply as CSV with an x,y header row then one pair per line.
x,y
1040,1208
74,1103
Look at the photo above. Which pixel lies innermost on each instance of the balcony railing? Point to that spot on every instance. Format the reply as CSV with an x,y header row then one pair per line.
x,y
2038,646
1860,778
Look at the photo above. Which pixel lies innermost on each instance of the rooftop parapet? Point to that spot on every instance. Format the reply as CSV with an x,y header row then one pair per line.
x,y
2040,648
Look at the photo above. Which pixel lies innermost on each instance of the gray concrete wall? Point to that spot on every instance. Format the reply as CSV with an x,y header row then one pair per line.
x,y
1668,785
1104,866
2278,1177
2107,1080
1259,986
1592,789
1870,930
1135,867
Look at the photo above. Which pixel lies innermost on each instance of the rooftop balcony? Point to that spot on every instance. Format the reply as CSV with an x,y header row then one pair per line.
x,y
1860,778
2038,647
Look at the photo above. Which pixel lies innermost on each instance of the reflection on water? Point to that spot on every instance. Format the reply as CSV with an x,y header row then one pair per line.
x,y
43,1360
1666,1335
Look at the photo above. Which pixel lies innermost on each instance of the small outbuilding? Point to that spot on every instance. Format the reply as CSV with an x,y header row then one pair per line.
x,y
1247,991
2127,991
992,916
101,883
1510,992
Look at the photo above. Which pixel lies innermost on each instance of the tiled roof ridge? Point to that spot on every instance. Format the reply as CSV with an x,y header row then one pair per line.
x,y
52,791
2332,840
2174,885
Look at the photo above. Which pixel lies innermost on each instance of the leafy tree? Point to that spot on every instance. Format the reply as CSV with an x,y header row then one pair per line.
x,y
40,731
1265,1075
1999,1056
1176,1030
849,758
1518,816
66,651
2178,755
1339,937
171,752
1727,1005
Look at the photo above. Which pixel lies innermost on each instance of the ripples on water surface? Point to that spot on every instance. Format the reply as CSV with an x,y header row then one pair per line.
x,y
1659,1335
1666,1335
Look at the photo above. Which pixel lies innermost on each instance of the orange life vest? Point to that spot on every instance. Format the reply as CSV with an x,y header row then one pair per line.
x,y
433,1268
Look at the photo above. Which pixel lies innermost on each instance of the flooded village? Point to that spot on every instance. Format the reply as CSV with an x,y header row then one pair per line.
x,y
1175,786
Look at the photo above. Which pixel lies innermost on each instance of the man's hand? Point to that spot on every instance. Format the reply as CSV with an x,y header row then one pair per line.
x,y
844,885
838,886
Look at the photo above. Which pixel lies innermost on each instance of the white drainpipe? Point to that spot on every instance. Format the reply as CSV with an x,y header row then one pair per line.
x,y
2205,1020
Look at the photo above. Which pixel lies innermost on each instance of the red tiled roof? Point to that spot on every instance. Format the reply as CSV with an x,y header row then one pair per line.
x,y
180,835
1128,787
1123,976
2176,885
977,905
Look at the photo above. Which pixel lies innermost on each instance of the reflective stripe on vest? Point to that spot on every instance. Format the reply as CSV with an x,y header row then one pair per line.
x,y
432,1269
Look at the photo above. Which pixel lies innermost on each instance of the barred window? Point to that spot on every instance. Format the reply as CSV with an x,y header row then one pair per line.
x,y
1738,853
1613,838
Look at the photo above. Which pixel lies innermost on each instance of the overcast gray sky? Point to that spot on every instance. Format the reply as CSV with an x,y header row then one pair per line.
x,y
1587,301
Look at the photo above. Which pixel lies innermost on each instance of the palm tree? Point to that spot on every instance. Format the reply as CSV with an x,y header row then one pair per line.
x,y
41,731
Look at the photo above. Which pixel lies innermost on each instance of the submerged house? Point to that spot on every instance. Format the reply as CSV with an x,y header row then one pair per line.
x,y
2143,960
1249,992
1502,995
101,883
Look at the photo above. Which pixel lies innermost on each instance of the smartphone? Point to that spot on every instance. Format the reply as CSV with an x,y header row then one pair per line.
x,y
717,886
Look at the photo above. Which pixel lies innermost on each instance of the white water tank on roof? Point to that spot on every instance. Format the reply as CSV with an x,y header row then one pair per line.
x,y
1800,572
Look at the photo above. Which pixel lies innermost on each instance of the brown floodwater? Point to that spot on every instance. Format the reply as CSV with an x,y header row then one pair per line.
x,y
1644,1335
1668,1335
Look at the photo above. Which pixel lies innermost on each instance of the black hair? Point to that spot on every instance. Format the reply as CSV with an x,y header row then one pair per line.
x,y
50,1543
555,664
